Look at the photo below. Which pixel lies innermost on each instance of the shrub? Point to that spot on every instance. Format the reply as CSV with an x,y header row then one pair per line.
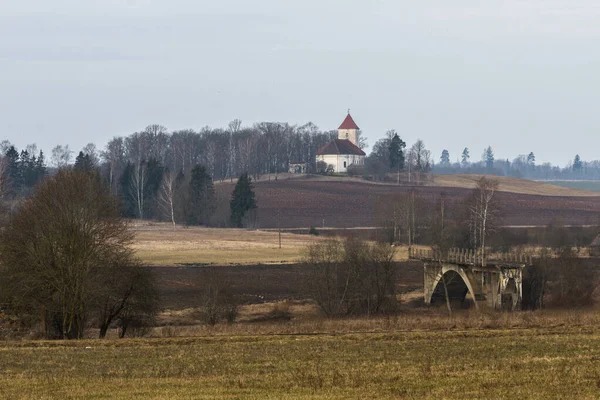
x,y
352,276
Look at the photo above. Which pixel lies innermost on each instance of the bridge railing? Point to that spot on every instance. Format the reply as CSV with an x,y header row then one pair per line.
x,y
468,256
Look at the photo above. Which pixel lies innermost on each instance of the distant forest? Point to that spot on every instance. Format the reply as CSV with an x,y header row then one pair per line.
x,y
136,166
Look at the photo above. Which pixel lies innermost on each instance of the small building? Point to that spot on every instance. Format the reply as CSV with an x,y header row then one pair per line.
x,y
298,168
343,152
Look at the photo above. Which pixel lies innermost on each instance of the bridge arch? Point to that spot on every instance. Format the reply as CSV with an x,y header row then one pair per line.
x,y
458,283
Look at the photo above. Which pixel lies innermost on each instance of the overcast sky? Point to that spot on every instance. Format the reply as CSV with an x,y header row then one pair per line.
x,y
520,76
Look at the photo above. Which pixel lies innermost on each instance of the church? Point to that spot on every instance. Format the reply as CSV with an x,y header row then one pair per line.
x,y
343,152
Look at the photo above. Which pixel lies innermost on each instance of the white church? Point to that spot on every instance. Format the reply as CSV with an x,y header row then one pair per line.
x,y
343,152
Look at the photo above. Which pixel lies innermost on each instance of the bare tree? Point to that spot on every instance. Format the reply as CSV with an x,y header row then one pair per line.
x,y
114,155
62,251
483,209
137,189
352,276
166,196
61,156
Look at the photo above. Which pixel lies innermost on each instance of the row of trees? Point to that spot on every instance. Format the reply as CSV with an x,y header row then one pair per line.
x,y
522,166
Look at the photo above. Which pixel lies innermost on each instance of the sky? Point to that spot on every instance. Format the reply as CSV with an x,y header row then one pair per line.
x,y
516,75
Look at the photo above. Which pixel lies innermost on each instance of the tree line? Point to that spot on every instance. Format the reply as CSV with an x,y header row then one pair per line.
x,y
159,174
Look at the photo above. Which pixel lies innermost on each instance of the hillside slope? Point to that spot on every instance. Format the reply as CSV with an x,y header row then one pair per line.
x,y
511,185
347,203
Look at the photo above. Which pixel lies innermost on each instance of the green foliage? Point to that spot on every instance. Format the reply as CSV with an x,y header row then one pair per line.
x,y
313,231
84,163
577,163
465,156
23,171
200,203
128,207
488,157
242,200
445,158
396,153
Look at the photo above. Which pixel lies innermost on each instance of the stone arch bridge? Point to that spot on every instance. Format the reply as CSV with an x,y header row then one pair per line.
x,y
494,281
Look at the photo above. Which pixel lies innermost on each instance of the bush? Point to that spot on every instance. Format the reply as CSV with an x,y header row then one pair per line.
x,y
313,231
355,170
352,276
66,256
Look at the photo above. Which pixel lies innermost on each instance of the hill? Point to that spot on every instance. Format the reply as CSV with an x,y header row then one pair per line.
x,y
352,202
512,185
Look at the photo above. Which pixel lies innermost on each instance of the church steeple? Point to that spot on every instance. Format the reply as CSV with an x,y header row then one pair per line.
x,y
349,130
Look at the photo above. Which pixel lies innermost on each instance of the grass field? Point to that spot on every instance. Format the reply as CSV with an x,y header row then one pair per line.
x,y
592,186
159,244
515,185
540,363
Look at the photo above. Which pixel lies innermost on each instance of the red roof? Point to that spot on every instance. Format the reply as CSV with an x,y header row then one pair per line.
x,y
340,146
348,123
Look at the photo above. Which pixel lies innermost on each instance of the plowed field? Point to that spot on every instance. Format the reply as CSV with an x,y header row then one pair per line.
x,y
352,203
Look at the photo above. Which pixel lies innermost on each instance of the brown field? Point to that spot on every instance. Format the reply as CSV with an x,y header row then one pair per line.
x,y
349,202
511,185
160,244
555,362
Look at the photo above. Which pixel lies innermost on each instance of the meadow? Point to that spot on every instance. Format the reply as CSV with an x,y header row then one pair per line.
x,y
160,244
531,363
592,186
282,347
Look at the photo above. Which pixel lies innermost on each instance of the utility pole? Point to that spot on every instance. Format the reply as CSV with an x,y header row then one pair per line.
x,y
279,226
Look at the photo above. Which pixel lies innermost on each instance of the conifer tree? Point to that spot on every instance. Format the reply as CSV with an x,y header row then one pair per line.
x,y
242,200
396,150
201,197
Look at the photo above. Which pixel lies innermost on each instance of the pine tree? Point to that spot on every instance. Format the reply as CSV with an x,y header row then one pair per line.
x,y
40,167
83,163
13,170
577,163
531,159
396,153
445,158
242,200
465,157
201,197
488,157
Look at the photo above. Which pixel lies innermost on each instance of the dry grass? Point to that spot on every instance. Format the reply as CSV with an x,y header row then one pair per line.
x,y
554,361
511,185
159,244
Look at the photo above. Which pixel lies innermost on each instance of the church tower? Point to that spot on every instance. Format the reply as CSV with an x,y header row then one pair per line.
x,y
349,130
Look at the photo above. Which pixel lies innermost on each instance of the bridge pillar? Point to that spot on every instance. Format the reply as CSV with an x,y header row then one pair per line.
x,y
496,286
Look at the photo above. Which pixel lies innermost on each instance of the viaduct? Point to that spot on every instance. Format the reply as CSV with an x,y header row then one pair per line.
x,y
496,282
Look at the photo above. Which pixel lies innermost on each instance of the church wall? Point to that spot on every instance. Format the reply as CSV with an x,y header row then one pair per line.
x,y
349,134
337,160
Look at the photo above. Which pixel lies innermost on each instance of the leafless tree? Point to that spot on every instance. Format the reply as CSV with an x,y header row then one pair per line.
x,y
114,155
61,156
137,189
351,276
483,210
62,252
166,196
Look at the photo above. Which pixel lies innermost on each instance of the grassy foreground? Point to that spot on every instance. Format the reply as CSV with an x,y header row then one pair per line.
x,y
544,363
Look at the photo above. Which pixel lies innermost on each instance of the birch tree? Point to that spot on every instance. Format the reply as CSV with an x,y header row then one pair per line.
x,y
166,196
483,210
